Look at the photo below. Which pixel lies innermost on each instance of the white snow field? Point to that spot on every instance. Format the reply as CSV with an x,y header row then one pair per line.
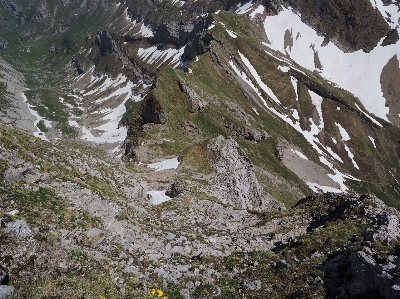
x,y
357,72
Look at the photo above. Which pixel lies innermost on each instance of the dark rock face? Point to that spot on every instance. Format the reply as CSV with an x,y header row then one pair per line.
x,y
197,46
360,270
391,38
175,190
111,59
179,33
273,6
169,13
3,43
105,41
152,112
246,132
78,65
359,274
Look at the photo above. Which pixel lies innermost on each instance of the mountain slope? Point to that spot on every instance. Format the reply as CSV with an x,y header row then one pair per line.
x,y
177,139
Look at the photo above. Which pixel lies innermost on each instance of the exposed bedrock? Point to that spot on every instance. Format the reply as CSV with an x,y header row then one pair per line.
x,y
235,182
180,33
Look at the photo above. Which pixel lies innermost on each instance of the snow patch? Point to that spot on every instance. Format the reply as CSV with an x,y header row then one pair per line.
x,y
165,164
284,69
295,114
47,123
315,187
351,156
294,83
311,136
346,137
389,12
343,132
258,10
372,140
372,119
243,8
317,102
233,35
156,56
157,197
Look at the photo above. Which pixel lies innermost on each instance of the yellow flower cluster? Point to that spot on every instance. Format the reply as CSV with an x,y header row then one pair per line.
x,y
158,293
103,297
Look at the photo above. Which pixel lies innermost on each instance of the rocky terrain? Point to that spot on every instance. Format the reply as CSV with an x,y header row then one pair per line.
x,y
94,232
199,149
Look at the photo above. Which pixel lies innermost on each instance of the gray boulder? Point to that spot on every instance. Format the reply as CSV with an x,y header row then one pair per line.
x,y
252,285
17,229
6,291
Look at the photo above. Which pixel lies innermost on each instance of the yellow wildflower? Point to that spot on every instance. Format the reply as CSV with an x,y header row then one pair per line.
x,y
103,297
153,291
160,293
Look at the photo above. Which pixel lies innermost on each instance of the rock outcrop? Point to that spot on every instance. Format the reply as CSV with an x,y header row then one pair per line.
x,y
175,189
360,274
17,229
110,55
196,102
149,111
3,43
246,132
178,32
361,270
235,182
